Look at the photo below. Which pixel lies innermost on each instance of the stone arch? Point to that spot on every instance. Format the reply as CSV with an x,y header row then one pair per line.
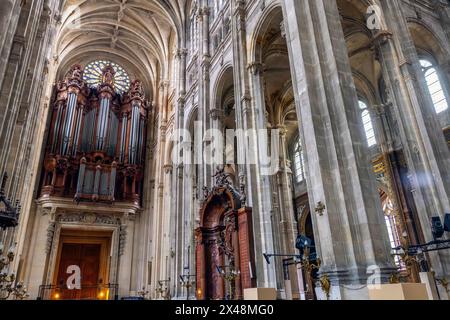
x,y
224,242
222,80
427,40
271,11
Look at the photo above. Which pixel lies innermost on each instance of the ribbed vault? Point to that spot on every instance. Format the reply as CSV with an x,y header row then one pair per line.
x,y
141,35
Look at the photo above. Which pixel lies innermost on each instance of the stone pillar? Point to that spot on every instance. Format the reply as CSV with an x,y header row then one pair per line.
x,y
204,94
285,192
288,224
40,247
426,151
182,241
442,8
217,117
265,230
32,106
159,213
171,228
351,236
245,115
126,254
9,16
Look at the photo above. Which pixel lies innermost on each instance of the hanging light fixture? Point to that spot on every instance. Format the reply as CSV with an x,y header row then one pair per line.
x,y
9,218
9,214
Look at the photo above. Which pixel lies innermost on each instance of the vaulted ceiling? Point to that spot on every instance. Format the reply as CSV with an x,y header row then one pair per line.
x,y
141,35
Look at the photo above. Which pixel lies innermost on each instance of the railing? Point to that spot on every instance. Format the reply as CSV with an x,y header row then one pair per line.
x,y
87,292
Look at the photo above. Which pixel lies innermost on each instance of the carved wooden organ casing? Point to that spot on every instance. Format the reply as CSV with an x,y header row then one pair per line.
x,y
96,142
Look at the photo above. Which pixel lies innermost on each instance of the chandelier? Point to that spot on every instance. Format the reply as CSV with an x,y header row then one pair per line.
x,y
8,285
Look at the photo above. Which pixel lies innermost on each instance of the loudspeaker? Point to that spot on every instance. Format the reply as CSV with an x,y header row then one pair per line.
x,y
302,242
447,222
436,227
267,257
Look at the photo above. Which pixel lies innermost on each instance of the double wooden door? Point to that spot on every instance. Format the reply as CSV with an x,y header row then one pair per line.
x,y
87,258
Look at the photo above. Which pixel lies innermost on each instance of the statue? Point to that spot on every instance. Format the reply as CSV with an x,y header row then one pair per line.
x,y
221,177
75,73
243,197
136,86
205,193
108,75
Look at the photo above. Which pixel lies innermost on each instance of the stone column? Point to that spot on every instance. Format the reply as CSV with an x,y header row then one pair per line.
x,y
33,104
171,229
204,94
159,213
426,151
217,117
9,16
442,8
182,241
350,231
40,248
263,180
288,223
245,115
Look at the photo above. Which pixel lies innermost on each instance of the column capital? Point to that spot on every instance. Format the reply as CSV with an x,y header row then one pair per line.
x,y
168,168
256,67
216,114
164,84
380,109
181,53
205,11
381,37
283,130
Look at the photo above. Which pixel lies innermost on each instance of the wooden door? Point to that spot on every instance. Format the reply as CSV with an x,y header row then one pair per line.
x,y
87,257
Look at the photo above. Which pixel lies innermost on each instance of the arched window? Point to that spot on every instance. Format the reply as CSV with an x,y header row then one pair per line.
x,y
299,163
367,123
93,74
391,225
194,35
434,86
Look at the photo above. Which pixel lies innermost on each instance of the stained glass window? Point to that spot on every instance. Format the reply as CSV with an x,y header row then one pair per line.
x,y
93,75
434,86
368,125
391,225
299,163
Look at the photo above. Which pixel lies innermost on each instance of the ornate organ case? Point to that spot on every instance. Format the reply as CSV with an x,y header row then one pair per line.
x,y
96,142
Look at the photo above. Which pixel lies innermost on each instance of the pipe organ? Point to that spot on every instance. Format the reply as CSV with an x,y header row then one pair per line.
x,y
96,142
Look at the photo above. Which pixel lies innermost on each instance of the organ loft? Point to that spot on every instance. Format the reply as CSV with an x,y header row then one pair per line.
x,y
96,143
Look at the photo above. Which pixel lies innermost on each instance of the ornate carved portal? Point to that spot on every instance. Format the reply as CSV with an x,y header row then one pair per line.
x,y
224,241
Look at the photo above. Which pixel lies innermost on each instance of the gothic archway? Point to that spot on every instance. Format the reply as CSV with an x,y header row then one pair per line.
x,y
224,241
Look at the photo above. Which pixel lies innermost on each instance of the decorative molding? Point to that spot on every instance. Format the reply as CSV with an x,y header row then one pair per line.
x,y
88,218
320,208
50,235
122,239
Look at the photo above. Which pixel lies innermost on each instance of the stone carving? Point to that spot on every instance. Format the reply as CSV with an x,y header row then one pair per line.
x,y
222,178
243,197
320,208
108,75
75,73
223,181
50,234
88,218
122,239
46,210
136,91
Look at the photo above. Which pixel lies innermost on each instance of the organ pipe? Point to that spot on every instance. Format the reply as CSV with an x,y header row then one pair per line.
x,y
97,139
